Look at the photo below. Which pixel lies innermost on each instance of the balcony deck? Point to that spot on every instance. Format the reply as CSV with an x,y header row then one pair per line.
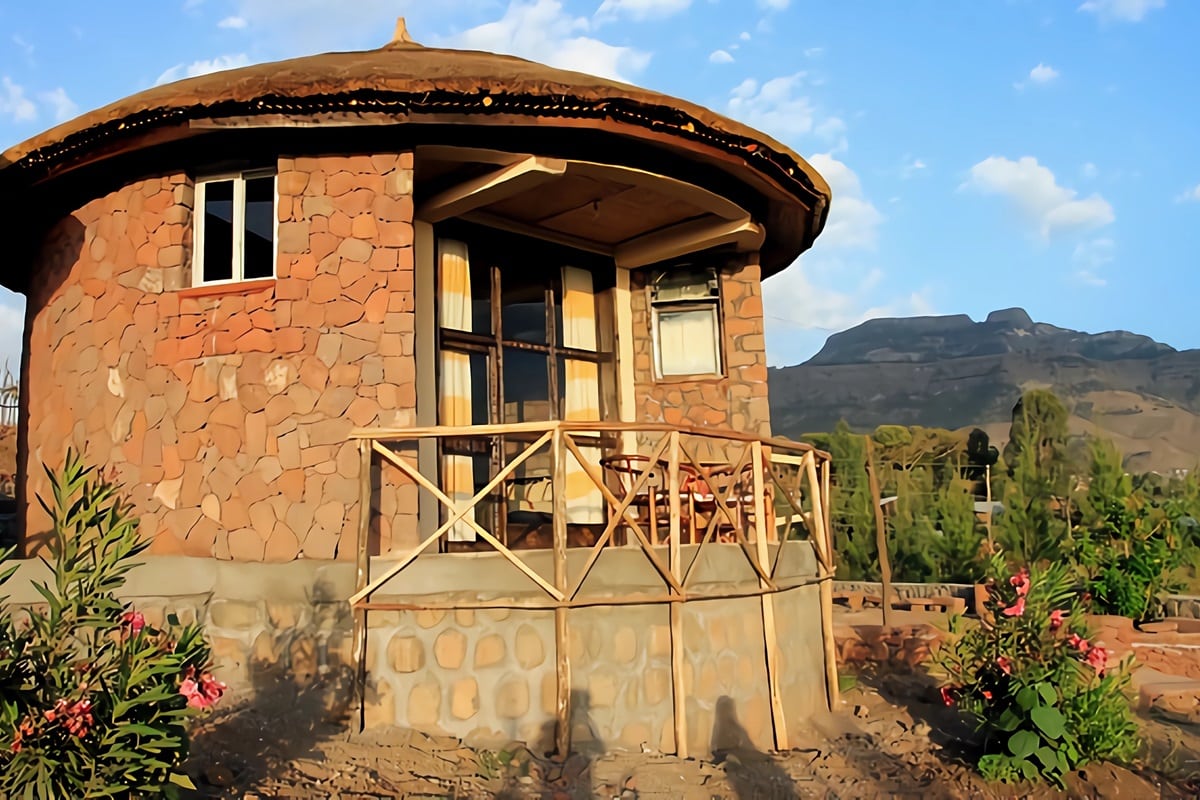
x,y
685,503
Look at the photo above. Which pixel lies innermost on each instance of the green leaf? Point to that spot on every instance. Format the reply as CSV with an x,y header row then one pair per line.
x,y
1023,743
1050,721
181,779
1008,721
1027,698
1048,756
1049,695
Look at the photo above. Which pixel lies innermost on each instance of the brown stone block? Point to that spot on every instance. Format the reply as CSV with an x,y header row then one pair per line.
x,y
288,340
341,226
340,183
355,250
322,245
340,313
302,267
291,289
291,182
255,341
227,439
279,408
393,209
363,227
384,259
363,412
282,544
320,543
246,545
356,202
322,289
291,483
253,397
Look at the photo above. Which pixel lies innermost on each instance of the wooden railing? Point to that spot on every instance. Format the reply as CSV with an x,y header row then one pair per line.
x,y
750,491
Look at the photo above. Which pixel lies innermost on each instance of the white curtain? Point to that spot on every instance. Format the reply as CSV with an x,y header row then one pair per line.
x,y
454,402
585,504
687,342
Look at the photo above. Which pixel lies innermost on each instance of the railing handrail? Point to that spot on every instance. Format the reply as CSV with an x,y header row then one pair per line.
x,y
578,426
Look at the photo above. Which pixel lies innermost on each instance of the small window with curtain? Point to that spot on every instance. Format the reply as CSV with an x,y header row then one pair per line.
x,y
686,320
234,228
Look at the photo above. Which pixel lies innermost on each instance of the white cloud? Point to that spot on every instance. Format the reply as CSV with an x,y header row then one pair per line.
x,y
774,5
815,297
542,31
14,103
640,9
720,57
1121,10
814,52
1043,73
1089,170
854,220
12,331
744,36
911,167
203,67
24,45
233,23
63,106
778,109
1191,195
1089,257
1035,192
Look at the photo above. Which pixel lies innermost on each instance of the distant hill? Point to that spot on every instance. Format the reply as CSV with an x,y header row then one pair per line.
x,y
953,372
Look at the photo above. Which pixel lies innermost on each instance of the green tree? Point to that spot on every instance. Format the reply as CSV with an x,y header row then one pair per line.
x,y
958,545
1033,527
852,513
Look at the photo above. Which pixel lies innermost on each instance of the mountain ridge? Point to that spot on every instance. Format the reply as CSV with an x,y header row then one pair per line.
x,y
953,372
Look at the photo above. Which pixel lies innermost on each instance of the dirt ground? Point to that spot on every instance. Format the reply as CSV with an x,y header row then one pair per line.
x,y
892,739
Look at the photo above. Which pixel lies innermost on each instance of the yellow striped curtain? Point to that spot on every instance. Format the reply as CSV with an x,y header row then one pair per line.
x,y
454,401
584,503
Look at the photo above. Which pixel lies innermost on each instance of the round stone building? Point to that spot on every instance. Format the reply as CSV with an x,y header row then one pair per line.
x,y
321,316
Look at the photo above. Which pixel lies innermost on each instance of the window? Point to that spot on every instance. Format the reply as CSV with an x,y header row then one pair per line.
x,y
685,314
234,228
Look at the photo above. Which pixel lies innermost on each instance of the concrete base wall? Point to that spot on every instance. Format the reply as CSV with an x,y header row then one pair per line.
x,y
489,675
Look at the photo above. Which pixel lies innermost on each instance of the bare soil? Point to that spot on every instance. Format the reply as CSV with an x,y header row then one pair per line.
x,y
893,739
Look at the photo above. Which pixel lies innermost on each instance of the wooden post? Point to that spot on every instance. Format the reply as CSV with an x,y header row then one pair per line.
x,y
562,737
770,635
987,516
362,577
678,699
832,687
885,564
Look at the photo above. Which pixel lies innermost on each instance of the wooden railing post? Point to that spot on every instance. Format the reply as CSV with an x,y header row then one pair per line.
x,y
562,737
362,576
833,690
767,601
679,699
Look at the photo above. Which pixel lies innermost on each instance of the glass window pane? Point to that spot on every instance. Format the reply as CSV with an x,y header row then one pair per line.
x,y
218,231
687,341
523,307
259,244
526,386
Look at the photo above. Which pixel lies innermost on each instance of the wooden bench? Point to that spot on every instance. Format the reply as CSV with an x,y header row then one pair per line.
x,y
953,605
853,599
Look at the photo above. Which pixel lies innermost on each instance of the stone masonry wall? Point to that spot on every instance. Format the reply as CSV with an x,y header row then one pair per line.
x,y
224,410
735,401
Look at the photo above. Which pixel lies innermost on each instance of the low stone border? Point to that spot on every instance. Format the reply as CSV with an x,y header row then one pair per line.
x,y
904,591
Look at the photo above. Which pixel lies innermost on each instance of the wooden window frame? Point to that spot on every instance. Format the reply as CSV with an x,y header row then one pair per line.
x,y
713,304
238,254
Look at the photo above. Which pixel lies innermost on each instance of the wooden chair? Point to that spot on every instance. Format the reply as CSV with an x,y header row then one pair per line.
x,y
651,503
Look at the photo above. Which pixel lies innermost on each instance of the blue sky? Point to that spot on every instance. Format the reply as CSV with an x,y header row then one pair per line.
x,y
983,154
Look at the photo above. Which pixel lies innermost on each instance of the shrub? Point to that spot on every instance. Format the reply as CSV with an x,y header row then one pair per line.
x,y
95,702
1047,700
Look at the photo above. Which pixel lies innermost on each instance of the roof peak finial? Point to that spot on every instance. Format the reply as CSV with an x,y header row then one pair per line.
x,y
400,37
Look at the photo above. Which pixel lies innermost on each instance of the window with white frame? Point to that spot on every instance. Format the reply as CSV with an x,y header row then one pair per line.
x,y
686,319
235,224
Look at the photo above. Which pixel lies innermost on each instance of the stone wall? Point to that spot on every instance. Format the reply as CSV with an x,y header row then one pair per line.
x,y
489,676
735,401
225,410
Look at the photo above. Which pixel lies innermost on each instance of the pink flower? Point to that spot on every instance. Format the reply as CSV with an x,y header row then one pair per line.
x,y
1017,609
134,621
1021,582
1097,658
947,698
987,695
203,693
1056,619
1078,642
1004,664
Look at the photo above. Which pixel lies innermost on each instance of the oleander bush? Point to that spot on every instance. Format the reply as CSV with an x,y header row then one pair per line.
x,y
94,701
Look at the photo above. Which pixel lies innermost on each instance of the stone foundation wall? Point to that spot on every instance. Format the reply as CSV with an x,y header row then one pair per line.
x,y
225,410
736,400
490,676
